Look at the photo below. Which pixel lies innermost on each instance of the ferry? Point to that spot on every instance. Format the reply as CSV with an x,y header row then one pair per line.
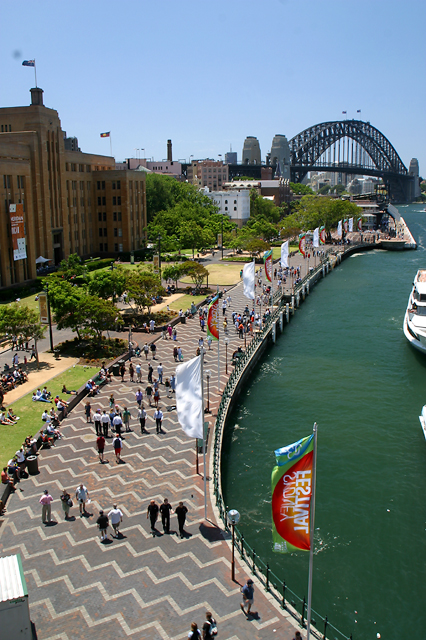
x,y
422,419
415,315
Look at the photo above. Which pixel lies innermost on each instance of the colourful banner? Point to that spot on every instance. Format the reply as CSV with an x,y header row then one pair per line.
x,y
360,224
267,259
322,235
302,244
345,225
17,227
292,480
213,319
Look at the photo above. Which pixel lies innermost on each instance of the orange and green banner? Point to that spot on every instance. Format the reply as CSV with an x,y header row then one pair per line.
x,y
292,483
213,319
322,235
267,259
302,244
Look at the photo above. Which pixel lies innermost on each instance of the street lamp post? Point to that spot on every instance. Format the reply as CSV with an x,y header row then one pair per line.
x,y
226,353
49,317
222,236
159,254
208,374
233,519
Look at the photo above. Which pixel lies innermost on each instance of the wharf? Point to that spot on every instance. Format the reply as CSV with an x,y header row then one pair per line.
x,y
138,586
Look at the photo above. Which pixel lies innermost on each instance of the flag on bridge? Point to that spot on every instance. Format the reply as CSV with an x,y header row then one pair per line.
x,y
213,319
284,255
302,244
292,488
189,403
248,280
267,259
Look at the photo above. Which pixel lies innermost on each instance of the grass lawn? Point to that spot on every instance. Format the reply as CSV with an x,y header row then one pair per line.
x,y
30,412
276,251
30,302
184,302
222,274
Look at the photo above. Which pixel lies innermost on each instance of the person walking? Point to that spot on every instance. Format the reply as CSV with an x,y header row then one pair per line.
x,y
118,423
175,354
82,494
179,354
209,627
142,418
174,335
181,512
105,421
46,510
160,373
122,371
194,634
146,350
148,392
139,372
173,383
103,523
153,348
100,445
247,593
126,419
97,418
158,417
88,412
150,372
139,397
165,510
117,443
131,371
116,518
156,396
152,514
66,503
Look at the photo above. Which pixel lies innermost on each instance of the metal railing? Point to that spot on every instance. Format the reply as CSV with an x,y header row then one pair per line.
x,y
278,588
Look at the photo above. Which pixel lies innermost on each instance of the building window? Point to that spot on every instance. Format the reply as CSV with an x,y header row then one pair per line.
x,y
98,184
118,184
120,247
115,232
235,202
226,201
120,232
100,216
104,216
226,208
99,200
103,184
114,200
119,200
119,216
103,200
113,185
105,231
100,233
101,246
116,247
235,208
114,216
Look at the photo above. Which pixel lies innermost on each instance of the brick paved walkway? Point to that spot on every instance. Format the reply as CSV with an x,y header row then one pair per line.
x,y
138,586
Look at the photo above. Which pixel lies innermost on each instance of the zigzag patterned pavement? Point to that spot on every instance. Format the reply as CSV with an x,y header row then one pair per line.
x,y
138,586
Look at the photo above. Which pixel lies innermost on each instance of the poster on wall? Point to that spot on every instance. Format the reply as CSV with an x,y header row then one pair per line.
x,y
16,212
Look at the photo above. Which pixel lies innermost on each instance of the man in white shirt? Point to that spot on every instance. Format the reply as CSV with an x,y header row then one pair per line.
x,y
105,423
142,419
117,423
160,373
139,372
97,418
158,417
82,494
116,518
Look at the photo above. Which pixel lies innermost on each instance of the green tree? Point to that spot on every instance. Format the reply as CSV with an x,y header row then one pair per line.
x,y
300,189
71,266
196,272
256,245
107,284
21,320
143,286
173,272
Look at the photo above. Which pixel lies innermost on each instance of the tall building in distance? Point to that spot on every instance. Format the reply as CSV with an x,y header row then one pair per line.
x,y
208,173
73,202
231,157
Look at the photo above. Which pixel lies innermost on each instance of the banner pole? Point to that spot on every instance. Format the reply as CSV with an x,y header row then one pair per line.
x,y
110,144
203,432
35,73
312,527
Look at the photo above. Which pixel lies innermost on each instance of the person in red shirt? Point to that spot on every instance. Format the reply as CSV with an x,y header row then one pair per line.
x,y
100,444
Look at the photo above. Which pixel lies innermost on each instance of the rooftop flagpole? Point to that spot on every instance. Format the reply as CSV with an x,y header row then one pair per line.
x,y
35,73
312,527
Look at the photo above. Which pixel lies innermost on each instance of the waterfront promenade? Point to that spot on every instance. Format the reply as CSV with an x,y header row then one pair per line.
x,y
137,586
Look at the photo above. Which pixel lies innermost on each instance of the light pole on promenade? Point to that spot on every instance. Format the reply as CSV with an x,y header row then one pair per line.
x,y
233,519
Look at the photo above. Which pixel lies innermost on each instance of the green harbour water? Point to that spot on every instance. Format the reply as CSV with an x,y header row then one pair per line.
x,y
343,362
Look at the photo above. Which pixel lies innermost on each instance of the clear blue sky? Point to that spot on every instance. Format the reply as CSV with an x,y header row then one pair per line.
x,y
207,74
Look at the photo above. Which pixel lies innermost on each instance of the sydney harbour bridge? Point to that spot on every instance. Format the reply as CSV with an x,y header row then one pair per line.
x,y
346,146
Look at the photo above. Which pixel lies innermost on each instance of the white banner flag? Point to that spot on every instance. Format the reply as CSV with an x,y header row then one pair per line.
x,y
189,403
284,254
351,225
339,229
248,280
315,240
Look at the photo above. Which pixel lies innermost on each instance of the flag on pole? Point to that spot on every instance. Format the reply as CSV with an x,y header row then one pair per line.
x,y
358,110
351,225
248,280
105,135
343,111
189,402
292,484
284,254
267,259
302,244
316,240
28,63
360,224
339,229
322,235
213,319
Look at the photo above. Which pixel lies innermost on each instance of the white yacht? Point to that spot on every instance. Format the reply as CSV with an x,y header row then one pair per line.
x,y
415,315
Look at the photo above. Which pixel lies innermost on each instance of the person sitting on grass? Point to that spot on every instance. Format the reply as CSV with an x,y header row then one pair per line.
x,y
11,415
4,420
65,390
38,397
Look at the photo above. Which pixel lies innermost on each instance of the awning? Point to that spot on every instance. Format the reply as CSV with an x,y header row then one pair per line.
x,y
41,260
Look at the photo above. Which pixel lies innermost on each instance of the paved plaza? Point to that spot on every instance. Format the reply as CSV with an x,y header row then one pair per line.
x,y
137,586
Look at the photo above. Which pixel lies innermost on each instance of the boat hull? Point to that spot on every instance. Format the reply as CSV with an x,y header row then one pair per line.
x,y
415,342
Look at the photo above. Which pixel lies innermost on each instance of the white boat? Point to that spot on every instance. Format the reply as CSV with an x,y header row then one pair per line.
x,y
415,315
422,419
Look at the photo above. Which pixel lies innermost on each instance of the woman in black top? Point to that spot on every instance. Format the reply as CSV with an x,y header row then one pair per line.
x,y
102,523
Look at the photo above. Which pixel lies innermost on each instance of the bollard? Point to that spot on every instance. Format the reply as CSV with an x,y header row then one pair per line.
x,y
307,287
283,601
254,561
303,291
323,271
303,611
281,321
287,313
274,332
298,299
292,305
242,547
325,628
267,578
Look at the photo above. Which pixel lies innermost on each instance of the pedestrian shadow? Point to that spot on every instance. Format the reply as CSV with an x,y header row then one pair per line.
x,y
120,536
71,519
156,533
106,542
52,523
253,615
212,533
